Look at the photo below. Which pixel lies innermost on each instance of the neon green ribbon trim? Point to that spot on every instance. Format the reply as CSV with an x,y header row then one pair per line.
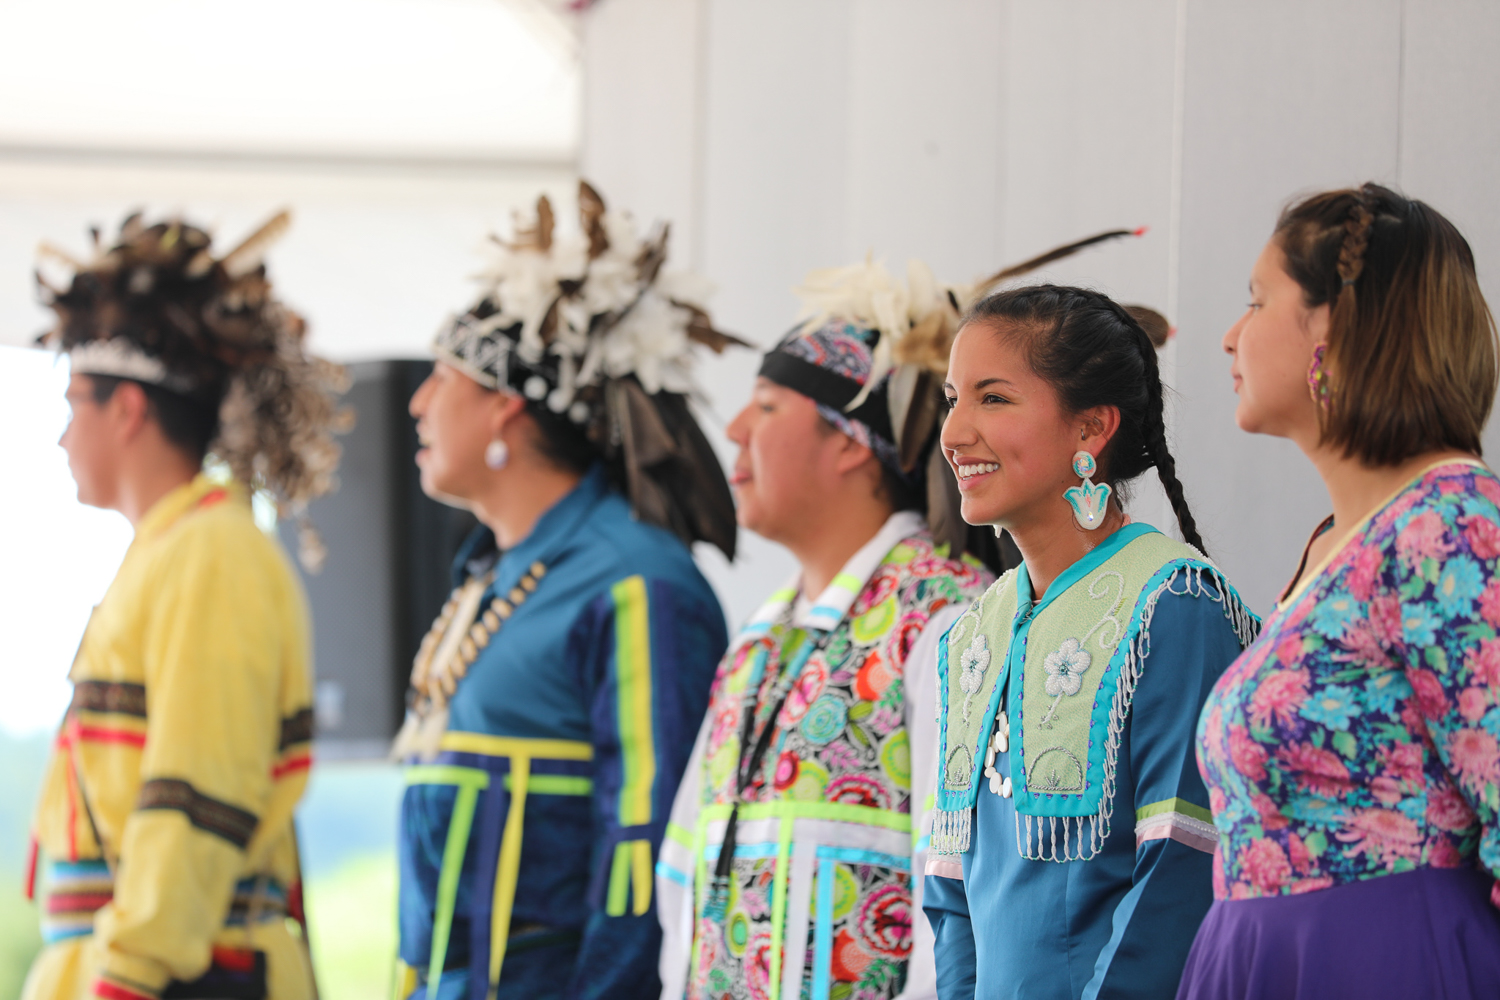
x,y
469,781
1182,806
680,835
619,880
839,811
634,699
555,784
631,867
447,774
778,903
849,582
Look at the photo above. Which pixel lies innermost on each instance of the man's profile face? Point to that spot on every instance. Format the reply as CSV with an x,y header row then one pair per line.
x,y
91,442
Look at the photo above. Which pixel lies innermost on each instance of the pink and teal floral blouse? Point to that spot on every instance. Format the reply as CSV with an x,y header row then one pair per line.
x,y
1360,735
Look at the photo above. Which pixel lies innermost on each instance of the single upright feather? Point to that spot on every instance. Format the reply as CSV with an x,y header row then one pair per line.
x,y
57,253
252,251
591,219
1051,256
539,236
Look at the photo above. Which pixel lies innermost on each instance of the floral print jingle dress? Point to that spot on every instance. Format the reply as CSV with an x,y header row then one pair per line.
x,y
1352,756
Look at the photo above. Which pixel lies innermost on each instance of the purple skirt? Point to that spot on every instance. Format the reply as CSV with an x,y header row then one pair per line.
x,y
1426,933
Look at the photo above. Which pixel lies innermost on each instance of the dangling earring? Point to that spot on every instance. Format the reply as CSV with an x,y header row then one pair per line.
x,y
496,454
1089,501
1317,378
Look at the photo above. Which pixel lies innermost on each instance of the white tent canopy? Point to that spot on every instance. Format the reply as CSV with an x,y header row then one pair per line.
x,y
473,79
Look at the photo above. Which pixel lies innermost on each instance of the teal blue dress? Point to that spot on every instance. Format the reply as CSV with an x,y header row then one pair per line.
x,y
1120,923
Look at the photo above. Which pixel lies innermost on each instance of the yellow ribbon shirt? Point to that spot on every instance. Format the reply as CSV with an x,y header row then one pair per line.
x,y
165,815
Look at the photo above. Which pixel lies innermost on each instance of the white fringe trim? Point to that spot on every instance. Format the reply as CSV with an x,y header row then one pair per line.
x,y
951,831
1083,837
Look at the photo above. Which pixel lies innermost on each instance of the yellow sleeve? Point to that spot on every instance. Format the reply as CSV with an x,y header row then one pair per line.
x,y
217,644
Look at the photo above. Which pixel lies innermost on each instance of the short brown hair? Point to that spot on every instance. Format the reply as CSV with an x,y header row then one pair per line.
x,y
1411,356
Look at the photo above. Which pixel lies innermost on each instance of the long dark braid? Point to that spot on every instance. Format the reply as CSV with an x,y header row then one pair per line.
x,y
1154,426
1095,353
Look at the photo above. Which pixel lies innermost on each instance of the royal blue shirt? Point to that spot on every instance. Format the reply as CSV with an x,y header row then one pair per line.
x,y
621,606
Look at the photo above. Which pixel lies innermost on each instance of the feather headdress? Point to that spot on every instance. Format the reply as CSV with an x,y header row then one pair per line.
x,y
593,329
158,307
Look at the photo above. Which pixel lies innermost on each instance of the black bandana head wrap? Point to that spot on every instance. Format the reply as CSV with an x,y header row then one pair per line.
x,y
831,364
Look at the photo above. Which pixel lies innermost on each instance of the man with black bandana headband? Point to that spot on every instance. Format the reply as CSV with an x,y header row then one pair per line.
x,y
789,862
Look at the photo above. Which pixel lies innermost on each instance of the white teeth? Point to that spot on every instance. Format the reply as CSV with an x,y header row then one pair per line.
x,y
967,471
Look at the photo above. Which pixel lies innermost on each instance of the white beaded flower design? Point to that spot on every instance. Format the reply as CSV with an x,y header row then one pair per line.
x,y
975,660
1066,667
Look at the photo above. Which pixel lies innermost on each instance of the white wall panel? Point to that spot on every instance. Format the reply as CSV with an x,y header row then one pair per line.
x,y
1088,138
926,121
1450,145
641,111
1281,96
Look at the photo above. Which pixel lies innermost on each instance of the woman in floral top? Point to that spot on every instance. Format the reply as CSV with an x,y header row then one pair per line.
x,y
1352,754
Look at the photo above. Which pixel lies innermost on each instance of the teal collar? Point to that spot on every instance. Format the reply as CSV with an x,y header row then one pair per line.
x,y
1096,557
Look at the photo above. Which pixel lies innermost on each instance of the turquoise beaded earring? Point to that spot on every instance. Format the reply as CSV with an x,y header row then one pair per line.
x,y
1088,500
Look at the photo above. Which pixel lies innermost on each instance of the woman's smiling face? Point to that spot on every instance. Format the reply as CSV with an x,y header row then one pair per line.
x,y
1007,436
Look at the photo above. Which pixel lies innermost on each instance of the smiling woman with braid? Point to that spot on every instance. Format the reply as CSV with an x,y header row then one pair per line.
x,y
1351,753
1070,855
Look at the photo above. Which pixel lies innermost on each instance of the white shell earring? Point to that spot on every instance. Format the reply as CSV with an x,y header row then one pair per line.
x,y
1089,501
496,454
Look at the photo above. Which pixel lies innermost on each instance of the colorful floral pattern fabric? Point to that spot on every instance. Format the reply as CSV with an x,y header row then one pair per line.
x,y
840,737
1360,735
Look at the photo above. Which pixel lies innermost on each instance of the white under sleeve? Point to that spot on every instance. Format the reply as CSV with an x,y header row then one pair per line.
x,y
920,677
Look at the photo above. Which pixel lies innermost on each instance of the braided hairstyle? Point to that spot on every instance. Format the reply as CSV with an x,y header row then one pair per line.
x,y
1094,352
1411,354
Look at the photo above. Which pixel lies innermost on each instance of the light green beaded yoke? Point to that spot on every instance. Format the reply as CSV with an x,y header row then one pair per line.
x,y
1064,671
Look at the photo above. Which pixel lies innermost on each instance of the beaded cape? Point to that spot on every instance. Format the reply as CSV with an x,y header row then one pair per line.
x,y
1063,672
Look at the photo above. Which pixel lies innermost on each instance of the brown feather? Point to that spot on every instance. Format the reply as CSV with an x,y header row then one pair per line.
x,y
927,344
591,218
918,416
57,253
1055,254
653,255
539,236
1157,327
252,250
701,330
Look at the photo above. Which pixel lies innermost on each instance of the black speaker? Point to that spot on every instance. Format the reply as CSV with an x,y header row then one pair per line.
x,y
387,573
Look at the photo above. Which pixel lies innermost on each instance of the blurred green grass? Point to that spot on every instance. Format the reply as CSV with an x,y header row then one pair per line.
x,y
19,937
351,915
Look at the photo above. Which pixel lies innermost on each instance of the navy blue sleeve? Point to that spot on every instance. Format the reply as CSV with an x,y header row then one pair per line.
x,y
1192,643
946,904
647,652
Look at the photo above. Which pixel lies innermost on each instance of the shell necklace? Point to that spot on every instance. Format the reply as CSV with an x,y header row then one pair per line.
x,y
447,652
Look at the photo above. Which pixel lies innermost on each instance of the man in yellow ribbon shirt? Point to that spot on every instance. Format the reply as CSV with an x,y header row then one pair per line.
x,y
165,819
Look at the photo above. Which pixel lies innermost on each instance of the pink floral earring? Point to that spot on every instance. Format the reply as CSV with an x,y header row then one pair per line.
x,y
1317,378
